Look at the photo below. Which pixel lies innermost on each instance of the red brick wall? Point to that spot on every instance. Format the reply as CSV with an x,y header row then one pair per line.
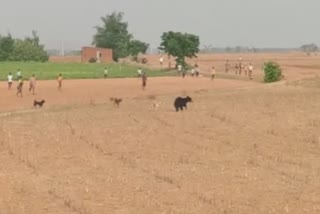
x,y
61,59
91,52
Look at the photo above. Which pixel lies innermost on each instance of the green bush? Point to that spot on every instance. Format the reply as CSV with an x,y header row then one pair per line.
x,y
92,60
272,72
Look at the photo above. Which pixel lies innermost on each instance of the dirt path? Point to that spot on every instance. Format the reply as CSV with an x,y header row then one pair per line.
x,y
99,91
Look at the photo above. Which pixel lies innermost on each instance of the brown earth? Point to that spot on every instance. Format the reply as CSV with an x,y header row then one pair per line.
x,y
241,147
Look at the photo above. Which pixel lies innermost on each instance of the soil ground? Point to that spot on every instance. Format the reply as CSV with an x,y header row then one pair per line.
x,y
241,147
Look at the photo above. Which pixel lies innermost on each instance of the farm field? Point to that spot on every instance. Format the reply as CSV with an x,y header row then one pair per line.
x,y
50,71
241,147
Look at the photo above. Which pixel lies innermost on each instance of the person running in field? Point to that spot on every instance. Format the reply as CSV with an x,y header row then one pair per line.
x,y
213,73
32,84
179,69
183,72
59,81
139,72
105,72
19,87
250,69
192,72
19,74
161,61
144,80
10,80
197,71
240,65
236,68
227,66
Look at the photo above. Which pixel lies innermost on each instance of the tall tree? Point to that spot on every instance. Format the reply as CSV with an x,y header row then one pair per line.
x,y
6,47
113,34
136,47
180,45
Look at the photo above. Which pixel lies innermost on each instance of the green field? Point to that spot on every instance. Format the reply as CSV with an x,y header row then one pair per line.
x,y
47,71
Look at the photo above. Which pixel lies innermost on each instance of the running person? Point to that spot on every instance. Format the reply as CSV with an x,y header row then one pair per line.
x,y
59,81
192,72
213,73
179,69
10,80
250,68
32,84
161,61
19,87
105,72
19,74
144,80
139,72
227,66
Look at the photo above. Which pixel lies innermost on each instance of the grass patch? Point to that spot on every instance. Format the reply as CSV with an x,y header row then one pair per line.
x,y
49,71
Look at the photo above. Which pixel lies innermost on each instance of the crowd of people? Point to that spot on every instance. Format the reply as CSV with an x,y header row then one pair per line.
x,y
240,68
32,82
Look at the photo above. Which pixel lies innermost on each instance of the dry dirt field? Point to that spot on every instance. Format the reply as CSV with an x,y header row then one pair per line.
x,y
241,147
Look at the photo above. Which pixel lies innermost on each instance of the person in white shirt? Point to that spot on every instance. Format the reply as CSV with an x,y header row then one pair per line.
x,y
105,72
192,72
19,74
250,68
179,68
213,73
10,80
139,72
197,71
161,61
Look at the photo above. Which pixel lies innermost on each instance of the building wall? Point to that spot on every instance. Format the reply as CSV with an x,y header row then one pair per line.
x,y
62,59
91,52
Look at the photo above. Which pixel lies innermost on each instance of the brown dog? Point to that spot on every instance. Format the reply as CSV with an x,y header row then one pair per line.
x,y
116,101
38,103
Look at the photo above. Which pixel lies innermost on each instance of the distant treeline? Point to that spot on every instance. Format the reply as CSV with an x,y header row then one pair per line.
x,y
246,50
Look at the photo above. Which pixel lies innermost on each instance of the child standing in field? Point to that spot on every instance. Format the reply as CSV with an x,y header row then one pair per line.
x,y
213,73
19,87
32,84
105,72
60,81
10,80
144,80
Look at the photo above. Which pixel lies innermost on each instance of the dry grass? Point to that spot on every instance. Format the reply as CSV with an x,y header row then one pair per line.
x,y
247,151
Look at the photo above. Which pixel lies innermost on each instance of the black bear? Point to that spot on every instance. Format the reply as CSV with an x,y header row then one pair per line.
x,y
180,102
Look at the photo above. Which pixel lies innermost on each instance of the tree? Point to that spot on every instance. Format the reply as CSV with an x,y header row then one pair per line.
x,y
309,48
114,35
180,45
25,50
28,49
136,47
272,72
6,47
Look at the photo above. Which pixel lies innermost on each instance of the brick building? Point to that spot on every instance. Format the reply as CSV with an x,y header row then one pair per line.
x,y
102,55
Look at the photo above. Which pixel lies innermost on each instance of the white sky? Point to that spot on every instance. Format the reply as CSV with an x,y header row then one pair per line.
x,y
259,23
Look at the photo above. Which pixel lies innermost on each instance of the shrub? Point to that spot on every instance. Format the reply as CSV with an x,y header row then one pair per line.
x,y
272,72
144,60
92,60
